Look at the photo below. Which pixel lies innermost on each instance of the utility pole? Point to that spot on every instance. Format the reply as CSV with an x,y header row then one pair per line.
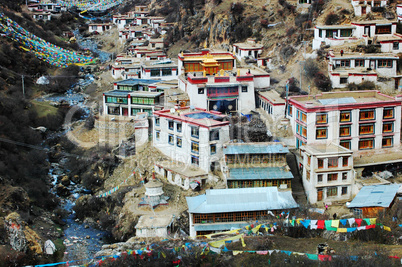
x,y
23,87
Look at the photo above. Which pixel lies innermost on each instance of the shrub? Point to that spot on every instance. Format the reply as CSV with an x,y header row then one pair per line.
x,y
237,8
372,49
331,19
287,52
301,18
366,85
290,31
264,22
311,68
322,82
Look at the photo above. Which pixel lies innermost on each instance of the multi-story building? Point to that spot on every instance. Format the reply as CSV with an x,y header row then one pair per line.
x,y
160,70
193,136
327,172
130,97
364,7
212,82
256,165
224,209
358,120
340,34
346,68
248,49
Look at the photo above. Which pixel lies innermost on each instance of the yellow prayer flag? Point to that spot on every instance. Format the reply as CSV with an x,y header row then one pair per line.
x,y
236,252
255,229
386,228
342,230
373,221
335,223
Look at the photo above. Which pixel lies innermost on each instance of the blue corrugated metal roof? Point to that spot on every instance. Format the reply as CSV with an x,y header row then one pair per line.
x,y
136,81
219,226
255,148
241,199
337,101
259,173
375,196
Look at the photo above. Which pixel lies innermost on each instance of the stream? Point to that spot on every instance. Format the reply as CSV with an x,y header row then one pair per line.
x,y
81,239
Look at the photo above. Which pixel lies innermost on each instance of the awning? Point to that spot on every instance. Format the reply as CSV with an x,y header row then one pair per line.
x,y
219,226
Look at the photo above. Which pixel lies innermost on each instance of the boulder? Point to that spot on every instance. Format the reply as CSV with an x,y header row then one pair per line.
x,y
65,181
62,190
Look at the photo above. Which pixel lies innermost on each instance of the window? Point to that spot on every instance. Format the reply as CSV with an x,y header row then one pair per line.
x,y
321,118
332,162
214,135
157,135
388,113
155,73
344,176
244,89
320,163
119,100
366,143
171,139
195,132
194,147
178,127
157,121
303,117
345,63
319,178
359,63
290,110
344,190
321,133
200,91
387,141
179,141
213,149
344,131
332,177
384,63
304,132
395,46
166,72
345,116
170,125
366,129
343,80
367,114
345,161
346,32
308,160
345,143
308,176
332,191
195,160
388,127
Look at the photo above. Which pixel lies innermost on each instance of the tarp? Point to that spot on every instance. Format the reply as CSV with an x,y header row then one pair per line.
x,y
49,247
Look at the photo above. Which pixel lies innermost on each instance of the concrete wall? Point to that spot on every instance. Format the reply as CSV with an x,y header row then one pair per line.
x,y
146,232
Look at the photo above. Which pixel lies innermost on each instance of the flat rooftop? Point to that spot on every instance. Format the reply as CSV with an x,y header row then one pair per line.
x,y
154,221
159,63
183,169
393,37
334,27
259,173
195,116
273,96
377,22
337,55
342,98
249,45
377,157
133,93
136,82
255,148
344,72
318,149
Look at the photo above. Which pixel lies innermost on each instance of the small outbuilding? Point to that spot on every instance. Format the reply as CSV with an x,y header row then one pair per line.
x,y
374,199
154,226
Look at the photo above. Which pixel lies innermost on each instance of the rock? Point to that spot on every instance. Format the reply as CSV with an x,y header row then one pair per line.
x,y
62,190
76,179
65,181
87,237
